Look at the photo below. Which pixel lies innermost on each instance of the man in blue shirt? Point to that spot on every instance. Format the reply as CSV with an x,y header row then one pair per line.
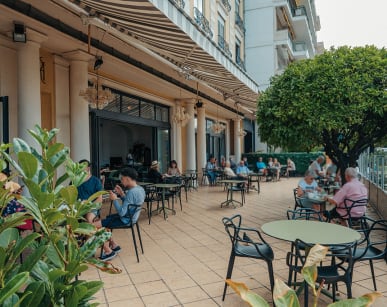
x,y
128,211
261,166
242,170
90,186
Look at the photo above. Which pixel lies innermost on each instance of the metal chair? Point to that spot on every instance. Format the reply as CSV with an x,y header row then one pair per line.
x,y
297,203
337,267
350,205
373,246
134,222
246,242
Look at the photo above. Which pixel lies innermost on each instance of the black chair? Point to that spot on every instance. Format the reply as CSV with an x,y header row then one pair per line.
x,y
237,188
297,202
299,214
134,222
246,242
337,266
204,176
174,193
373,246
304,214
349,206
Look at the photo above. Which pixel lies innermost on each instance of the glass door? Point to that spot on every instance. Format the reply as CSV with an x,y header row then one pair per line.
x,y
163,149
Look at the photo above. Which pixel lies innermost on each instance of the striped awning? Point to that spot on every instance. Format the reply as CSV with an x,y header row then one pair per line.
x,y
194,53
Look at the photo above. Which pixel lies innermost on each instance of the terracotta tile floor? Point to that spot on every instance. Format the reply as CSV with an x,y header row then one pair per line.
x,y
186,256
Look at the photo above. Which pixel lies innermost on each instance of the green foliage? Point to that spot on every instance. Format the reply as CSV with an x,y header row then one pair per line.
x,y
48,274
300,159
337,100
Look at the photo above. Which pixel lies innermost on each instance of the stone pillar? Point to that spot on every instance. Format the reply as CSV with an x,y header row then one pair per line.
x,y
190,136
176,149
201,138
237,140
29,101
79,108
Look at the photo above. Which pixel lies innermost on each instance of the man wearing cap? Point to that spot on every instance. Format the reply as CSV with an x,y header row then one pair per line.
x,y
127,212
154,172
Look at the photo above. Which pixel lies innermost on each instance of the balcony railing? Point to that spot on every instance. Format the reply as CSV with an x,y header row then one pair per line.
x,y
239,22
226,4
224,45
178,3
240,62
202,22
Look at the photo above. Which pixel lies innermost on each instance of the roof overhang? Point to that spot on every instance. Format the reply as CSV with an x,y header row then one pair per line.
x,y
157,27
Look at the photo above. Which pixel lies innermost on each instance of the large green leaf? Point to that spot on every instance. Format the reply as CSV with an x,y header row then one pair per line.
x,y
54,149
85,228
28,163
20,145
35,255
37,291
52,255
12,220
362,301
13,285
8,236
284,296
70,194
22,244
252,298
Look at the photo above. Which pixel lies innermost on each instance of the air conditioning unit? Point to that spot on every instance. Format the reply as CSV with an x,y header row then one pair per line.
x,y
298,12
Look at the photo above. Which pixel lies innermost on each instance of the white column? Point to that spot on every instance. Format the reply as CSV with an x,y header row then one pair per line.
x,y
79,108
176,148
227,132
201,137
29,102
190,138
237,140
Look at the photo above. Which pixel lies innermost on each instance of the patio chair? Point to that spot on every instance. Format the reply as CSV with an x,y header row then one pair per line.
x,y
246,242
373,246
297,203
237,188
336,267
134,223
352,221
300,214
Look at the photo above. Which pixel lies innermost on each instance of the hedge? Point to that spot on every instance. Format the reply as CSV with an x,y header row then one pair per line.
x,y
300,159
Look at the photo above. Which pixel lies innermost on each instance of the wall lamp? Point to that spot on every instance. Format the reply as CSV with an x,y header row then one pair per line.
x,y
98,62
19,33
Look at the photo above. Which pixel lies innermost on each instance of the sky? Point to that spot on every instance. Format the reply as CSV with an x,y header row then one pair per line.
x,y
352,22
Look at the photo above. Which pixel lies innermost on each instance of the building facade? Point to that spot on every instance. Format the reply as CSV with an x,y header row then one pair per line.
x,y
129,82
279,32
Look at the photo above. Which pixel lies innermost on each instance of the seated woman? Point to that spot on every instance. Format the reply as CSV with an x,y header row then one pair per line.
x,y
277,166
261,166
290,168
154,174
173,170
308,185
211,168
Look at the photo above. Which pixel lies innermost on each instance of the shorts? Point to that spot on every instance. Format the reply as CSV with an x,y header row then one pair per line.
x,y
113,221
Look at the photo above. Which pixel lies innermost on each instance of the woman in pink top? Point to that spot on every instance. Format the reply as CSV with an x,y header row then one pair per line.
x,y
353,190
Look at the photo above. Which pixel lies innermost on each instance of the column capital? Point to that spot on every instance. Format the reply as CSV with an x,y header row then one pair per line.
x,y
35,36
78,55
186,100
61,61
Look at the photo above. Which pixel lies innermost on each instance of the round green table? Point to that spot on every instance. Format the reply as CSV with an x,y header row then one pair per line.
x,y
310,232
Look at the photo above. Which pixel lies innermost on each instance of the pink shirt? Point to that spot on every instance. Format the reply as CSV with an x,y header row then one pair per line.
x,y
353,190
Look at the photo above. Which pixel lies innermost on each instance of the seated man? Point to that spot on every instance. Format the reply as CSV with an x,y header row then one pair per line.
x,y
134,198
353,190
315,167
154,174
242,170
261,166
90,186
211,168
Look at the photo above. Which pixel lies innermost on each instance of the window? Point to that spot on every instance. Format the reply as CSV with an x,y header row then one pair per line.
x,y
221,26
237,7
237,49
199,5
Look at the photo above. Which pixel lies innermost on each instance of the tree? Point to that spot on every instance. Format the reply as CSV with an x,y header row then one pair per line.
x,y
337,100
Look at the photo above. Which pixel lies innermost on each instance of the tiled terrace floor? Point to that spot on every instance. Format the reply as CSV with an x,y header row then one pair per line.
x,y
186,256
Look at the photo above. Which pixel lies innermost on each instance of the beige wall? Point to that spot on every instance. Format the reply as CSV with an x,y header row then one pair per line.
x,y
47,92
8,82
377,197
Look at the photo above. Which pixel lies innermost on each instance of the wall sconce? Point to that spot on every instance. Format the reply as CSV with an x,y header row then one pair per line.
x,y
98,62
19,33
